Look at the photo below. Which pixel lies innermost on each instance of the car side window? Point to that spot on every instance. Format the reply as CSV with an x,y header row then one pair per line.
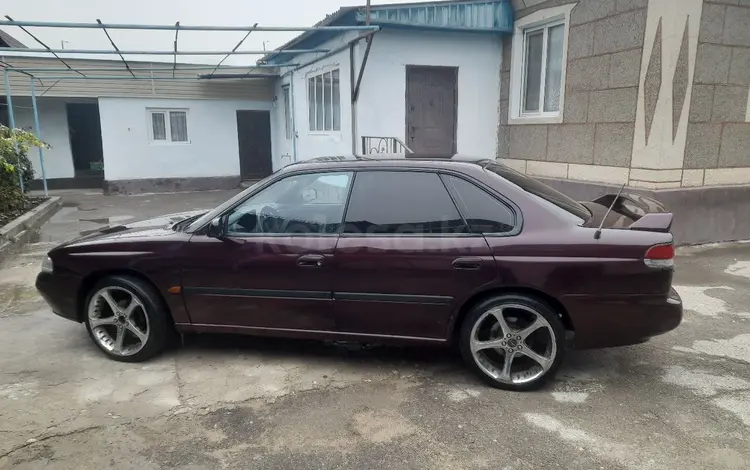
x,y
310,203
483,212
401,202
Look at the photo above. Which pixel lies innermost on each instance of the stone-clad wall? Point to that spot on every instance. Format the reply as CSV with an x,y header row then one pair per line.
x,y
718,140
605,45
656,95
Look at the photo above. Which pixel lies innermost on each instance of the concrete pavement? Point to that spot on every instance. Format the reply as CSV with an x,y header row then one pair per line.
x,y
681,400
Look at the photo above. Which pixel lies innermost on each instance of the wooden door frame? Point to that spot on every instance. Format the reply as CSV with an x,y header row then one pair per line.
x,y
455,100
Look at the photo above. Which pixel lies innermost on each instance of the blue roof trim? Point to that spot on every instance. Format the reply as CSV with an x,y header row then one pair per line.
x,y
494,16
475,16
309,40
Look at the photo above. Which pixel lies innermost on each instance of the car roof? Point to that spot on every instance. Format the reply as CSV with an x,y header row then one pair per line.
x,y
385,161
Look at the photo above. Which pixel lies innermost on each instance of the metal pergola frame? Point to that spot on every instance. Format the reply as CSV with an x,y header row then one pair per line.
x,y
54,73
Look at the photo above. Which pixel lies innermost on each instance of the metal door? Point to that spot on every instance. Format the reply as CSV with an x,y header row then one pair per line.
x,y
254,136
431,110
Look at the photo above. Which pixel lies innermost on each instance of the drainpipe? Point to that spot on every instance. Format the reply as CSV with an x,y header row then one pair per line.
x,y
355,86
12,120
294,117
353,101
38,135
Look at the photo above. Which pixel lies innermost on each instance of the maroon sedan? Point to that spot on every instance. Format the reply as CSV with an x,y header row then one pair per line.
x,y
406,251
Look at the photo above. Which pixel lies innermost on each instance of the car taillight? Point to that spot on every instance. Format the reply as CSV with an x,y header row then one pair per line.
x,y
660,257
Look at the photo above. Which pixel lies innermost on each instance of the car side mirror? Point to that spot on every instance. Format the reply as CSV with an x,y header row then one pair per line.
x,y
309,195
218,227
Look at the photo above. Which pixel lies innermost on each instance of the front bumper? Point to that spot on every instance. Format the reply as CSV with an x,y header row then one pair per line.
x,y
60,291
603,322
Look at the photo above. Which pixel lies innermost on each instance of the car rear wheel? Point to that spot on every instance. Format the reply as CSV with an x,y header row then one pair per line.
x,y
127,319
513,342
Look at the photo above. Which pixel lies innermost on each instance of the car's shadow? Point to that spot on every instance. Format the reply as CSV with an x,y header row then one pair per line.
x,y
443,364
283,348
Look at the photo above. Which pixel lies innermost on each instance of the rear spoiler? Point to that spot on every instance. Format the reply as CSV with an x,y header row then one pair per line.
x,y
655,222
646,213
639,205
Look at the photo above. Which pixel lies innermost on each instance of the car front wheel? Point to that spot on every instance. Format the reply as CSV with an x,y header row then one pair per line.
x,y
513,342
126,319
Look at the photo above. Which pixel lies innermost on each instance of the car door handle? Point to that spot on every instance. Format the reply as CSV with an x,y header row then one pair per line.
x,y
467,264
310,261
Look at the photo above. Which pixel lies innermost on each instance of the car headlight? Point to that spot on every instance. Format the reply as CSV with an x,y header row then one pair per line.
x,y
47,266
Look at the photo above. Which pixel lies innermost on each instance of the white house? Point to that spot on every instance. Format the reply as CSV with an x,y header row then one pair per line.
x,y
426,84
154,133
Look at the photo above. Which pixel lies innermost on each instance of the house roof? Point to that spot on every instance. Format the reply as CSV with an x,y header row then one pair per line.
x,y
483,16
6,40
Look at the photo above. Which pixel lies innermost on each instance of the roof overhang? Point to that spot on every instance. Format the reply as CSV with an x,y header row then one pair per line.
x,y
493,16
475,16
6,40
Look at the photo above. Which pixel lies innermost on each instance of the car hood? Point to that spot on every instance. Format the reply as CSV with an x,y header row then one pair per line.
x,y
164,221
156,227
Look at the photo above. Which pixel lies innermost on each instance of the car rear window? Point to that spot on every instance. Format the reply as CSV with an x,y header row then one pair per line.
x,y
539,189
483,213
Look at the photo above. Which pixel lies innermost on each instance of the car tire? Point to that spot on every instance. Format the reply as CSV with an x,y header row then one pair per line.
x,y
148,323
537,340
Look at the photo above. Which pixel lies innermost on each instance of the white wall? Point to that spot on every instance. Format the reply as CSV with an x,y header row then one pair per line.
x,y
284,148
381,108
53,119
311,144
213,149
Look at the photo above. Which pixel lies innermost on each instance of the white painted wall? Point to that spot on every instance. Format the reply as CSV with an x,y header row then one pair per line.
x,y
381,109
53,119
213,149
315,144
284,147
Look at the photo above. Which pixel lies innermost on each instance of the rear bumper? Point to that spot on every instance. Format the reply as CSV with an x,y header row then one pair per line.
x,y
60,291
603,322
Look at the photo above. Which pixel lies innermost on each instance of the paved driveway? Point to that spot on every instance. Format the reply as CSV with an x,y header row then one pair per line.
x,y
679,401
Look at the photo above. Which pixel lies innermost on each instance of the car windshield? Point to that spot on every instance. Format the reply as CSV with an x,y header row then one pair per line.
x,y
539,189
212,214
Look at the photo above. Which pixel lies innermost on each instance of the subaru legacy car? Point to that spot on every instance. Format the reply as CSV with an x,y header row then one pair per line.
x,y
439,252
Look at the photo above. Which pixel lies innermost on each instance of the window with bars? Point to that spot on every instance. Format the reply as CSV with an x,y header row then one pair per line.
x,y
324,102
168,125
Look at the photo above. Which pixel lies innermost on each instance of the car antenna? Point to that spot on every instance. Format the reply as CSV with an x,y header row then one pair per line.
x,y
598,233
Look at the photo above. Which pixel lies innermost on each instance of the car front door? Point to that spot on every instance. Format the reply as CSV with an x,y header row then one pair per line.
x,y
406,259
273,269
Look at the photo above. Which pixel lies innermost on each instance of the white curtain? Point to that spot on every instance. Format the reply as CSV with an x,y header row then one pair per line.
x,y
554,68
158,126
178,126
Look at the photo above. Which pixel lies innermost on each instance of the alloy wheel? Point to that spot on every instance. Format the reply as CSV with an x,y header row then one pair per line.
x,y
118,321
513,343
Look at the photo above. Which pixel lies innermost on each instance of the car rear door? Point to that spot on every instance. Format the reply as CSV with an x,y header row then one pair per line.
x,y
273,270
405,260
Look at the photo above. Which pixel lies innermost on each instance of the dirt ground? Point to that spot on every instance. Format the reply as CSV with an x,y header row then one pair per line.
x,y
679,401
